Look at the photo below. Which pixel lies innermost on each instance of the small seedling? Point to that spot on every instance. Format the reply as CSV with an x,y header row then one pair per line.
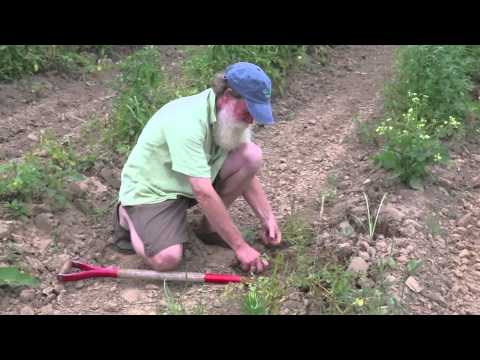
x,y
413,266
174,307
372,223
254,304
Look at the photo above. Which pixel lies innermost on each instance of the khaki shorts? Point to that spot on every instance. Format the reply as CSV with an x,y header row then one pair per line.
x,y
162,225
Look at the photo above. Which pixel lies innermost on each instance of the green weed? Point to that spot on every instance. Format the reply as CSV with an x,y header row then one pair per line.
x,y
443,73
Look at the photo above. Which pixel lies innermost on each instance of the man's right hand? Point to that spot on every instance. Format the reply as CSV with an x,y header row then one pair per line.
x,y
250,259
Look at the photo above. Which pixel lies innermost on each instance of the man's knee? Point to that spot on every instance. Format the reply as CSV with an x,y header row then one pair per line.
x,y
167,259
252,156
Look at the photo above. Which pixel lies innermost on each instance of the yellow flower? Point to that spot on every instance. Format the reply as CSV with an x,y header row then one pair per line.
x,y
359,302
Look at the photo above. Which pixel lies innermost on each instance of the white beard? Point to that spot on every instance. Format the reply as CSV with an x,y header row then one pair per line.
x,y
229,133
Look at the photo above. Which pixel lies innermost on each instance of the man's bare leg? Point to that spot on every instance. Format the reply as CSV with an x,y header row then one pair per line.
x,y
167,259
237,172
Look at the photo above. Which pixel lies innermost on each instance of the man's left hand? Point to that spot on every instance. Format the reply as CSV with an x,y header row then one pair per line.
x,y
271,234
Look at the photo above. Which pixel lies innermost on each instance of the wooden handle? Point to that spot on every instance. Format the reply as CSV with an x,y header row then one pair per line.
x,y
66,267
155,275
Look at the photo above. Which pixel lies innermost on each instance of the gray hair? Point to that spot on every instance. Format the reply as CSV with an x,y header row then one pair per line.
x,y
220,85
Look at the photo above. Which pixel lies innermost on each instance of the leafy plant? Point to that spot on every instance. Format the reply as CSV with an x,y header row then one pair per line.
x,y
409,146
174,307
443,73
20,60
142,90
297,231
13,277
254,303
37,177
275,60
413,266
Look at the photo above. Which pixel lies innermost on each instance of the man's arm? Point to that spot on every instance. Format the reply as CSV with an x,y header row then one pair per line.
x,y
256,198
216,213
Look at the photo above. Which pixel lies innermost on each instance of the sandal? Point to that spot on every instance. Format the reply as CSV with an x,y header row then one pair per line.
x,y
121,236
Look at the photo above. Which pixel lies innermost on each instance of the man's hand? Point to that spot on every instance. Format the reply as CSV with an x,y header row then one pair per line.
x,y
271,234
250,259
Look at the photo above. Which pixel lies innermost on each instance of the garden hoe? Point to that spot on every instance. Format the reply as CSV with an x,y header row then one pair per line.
x,y
91,271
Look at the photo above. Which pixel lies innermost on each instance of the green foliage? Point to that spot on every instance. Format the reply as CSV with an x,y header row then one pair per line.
x,y
413,265
38,177
17,209
20,60
372,222
275,60
442,73
410,145
254,303
142,90
13,277
265,293
297,231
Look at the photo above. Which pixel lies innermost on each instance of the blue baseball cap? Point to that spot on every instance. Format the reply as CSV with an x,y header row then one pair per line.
x,y
251,82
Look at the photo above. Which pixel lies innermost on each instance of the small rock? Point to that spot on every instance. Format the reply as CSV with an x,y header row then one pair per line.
x,y
366,283
390,213
26,310
413,284
152,287
32,137
381,245
412,222
476,182
390,278
27,295
111,307
364,255
408,231
357,264
464,253
44,222
47,309
464,220
345,250
363,245
435,297
5,229
344,185
130,295
346,229
110,177
78,189
372,252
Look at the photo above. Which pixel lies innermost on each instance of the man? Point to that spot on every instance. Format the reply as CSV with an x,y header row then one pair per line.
x,y
197,149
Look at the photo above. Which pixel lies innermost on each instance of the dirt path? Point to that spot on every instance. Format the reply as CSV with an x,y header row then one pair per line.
x,y
314,139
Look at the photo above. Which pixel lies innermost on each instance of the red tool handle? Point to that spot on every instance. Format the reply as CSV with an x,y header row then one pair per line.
x,y
89,271
222,279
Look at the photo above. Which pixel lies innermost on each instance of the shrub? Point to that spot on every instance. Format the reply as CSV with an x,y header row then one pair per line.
x,y
410,144
442,73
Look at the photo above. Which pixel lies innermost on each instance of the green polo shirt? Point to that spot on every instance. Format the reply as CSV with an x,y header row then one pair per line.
x,y
175,143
